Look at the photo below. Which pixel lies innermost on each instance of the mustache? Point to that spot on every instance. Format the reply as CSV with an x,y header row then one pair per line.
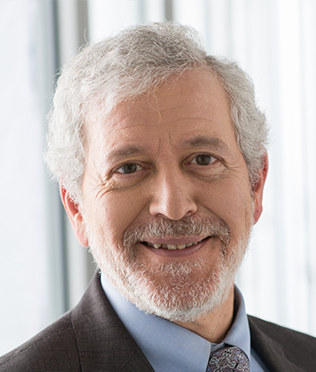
x,y
162,227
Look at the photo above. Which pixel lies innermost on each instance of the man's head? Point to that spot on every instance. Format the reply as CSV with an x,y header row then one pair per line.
x,y
160,152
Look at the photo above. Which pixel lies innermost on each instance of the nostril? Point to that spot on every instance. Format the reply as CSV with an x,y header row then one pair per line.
x,y
173,209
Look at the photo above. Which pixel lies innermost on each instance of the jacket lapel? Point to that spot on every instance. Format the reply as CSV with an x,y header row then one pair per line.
x,y
103,342
270,351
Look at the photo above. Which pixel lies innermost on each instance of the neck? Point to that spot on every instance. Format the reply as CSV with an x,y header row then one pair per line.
x,y
214,326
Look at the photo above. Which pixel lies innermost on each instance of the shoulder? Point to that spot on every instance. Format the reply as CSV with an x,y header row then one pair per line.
x,y
90,337
282,334
282,348
54,348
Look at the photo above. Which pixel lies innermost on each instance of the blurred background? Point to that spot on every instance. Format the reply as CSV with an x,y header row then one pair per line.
x,y
43,270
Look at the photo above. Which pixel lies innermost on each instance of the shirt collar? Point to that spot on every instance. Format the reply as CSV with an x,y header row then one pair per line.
x,y
239,333
166,344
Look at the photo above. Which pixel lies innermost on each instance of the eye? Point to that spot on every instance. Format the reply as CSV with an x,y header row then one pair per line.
x,y
129,168
203,159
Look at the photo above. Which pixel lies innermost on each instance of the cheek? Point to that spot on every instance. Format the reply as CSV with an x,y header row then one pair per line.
x,y
231,201
116,212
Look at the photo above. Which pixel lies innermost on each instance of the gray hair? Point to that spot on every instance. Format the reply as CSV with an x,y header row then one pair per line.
x,y
135,61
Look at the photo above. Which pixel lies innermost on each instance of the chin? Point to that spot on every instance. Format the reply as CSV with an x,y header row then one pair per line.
x,y
179,292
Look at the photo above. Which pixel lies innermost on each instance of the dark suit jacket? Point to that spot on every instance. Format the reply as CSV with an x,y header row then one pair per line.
x,y
91,338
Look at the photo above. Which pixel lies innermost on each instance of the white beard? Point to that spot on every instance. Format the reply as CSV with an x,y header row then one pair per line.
x,y
174,291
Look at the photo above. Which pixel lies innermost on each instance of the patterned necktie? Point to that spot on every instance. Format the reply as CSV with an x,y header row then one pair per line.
x,y
228,359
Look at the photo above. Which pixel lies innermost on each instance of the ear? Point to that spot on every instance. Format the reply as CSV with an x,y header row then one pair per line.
x,y
258,190
75,216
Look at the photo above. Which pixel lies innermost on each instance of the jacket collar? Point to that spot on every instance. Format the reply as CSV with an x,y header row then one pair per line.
x,y
102,340
270,350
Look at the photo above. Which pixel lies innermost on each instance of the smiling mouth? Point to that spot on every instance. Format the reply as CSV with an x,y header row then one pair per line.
x,y
172,246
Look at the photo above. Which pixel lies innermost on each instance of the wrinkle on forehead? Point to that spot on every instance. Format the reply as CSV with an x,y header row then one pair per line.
x,y
168,104
166,90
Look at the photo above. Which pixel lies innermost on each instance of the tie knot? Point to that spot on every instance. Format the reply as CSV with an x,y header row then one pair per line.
x,y
227,359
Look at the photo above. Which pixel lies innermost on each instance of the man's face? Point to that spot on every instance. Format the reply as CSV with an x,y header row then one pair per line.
x,y
166,197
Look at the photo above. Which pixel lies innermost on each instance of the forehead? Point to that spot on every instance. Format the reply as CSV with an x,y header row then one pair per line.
x,y
190,105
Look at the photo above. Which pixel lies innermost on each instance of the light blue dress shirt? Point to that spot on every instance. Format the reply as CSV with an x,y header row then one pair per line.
x,y
172,348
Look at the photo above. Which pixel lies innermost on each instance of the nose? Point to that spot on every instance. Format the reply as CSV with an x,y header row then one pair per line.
x,y
173,196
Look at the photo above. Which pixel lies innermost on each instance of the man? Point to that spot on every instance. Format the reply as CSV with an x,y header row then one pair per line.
x,y
160,154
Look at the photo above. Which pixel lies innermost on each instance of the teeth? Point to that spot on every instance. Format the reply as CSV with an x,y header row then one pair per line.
x,y
170,246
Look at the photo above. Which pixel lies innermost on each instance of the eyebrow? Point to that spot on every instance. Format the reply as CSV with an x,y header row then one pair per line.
x,y
213,142
126,151
200,141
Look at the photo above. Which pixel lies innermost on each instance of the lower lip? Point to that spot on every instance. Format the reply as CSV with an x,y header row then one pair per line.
x,y
177,252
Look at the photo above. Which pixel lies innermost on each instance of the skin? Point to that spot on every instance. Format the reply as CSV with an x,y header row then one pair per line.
x,y
162,137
